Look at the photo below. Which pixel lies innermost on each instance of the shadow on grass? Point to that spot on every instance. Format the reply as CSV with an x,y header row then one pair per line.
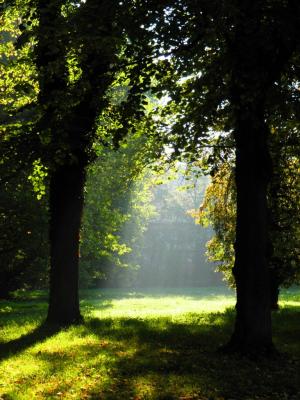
x,y
175,360
165,359
39,334
27,312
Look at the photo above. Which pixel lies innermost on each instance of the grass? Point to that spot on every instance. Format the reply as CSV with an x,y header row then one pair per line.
x,y
143,345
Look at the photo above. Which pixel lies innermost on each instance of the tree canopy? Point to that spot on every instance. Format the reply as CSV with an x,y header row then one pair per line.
x,y
213,82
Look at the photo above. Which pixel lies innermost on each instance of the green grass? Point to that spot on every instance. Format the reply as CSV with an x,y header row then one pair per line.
x,y
143,345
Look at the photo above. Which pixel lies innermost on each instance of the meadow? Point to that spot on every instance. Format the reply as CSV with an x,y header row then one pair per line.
x,y
144,344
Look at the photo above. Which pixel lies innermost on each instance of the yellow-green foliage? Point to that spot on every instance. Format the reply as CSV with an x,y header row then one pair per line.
x,y
219,210
18,76
38,177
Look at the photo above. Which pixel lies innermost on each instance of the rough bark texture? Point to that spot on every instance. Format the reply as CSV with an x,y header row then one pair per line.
x,y
252,332
66,203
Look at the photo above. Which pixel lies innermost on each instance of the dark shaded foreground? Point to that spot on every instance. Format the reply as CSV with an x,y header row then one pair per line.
x,y
175,354
173,359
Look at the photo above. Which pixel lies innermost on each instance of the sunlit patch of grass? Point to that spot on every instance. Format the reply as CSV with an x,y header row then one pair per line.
x,y
173,303
290,297
70,362
143,345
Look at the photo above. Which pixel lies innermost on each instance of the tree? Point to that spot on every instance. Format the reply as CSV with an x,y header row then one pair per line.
x,y
219,65
81,47
78,53
226,59
219,210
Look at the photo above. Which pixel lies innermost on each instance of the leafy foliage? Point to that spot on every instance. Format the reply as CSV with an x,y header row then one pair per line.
x,y
219,211
117,210
24,237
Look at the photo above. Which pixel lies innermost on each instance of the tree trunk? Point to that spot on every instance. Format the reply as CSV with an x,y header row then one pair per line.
x,y
252,333
70,127
66,204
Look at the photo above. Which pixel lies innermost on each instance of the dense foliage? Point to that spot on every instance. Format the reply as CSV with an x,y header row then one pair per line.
x,y
219,211
79,77
117,211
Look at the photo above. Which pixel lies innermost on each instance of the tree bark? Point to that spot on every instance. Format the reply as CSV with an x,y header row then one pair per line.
x,y
255,64
68,119
66,204
252,332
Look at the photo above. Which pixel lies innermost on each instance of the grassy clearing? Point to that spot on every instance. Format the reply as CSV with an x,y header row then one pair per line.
x,y
143,345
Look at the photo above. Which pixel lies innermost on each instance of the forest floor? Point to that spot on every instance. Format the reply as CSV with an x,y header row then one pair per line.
x,y
138,344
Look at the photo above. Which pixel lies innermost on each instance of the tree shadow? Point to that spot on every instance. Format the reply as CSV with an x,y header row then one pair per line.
x,y
23,312
179,360
168,359
163,359
39,334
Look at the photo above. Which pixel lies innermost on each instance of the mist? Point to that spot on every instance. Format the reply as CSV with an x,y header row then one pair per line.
x,y
157,244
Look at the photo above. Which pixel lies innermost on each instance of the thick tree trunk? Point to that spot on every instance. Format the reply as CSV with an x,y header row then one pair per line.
x,y
71,128
252,333
66,204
